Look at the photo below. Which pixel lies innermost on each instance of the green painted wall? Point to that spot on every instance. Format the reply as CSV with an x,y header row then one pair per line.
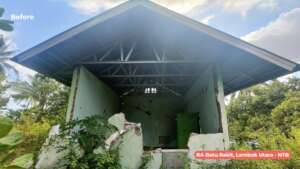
x,y
220,99
89,96
186,124
70,108
157,114
201,99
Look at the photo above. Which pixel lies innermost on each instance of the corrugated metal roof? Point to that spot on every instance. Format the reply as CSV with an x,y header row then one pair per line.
x,y
140,44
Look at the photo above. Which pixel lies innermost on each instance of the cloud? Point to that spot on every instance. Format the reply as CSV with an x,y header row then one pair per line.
x,y
244,6
207,19
91,7
280,36
180,6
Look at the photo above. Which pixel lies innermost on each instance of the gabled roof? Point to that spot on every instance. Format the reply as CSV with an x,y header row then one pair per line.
x,y
140,44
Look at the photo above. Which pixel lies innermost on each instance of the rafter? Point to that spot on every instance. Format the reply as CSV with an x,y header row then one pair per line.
x,y
108,52
149,84
147,75
130,51
143,62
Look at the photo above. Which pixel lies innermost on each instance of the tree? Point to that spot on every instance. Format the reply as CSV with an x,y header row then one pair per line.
x,y
43,97
3,87
46,104
268,114
5,25
286,116
250,110
9,139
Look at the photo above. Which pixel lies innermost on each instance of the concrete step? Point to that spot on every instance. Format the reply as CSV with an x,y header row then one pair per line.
x,y
169,158
174,158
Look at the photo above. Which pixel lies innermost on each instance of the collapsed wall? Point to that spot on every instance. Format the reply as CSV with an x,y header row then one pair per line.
x,y
196,121
206,99
167,120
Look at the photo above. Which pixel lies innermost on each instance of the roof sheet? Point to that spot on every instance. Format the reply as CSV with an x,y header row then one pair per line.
x,y
140,44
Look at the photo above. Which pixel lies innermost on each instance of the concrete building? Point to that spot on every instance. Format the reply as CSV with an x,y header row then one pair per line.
x,y
161,69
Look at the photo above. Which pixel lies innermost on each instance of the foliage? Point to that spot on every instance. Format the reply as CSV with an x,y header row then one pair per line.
x,y
6,125
43,97
25,161
146,159
5,25
33,122
9,139
268,114
3,88
287,114
34,135
89,135
250,110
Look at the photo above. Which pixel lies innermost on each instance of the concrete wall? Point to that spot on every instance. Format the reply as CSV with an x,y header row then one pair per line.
x,y
221,105
202,142
157,114
201,99
89,96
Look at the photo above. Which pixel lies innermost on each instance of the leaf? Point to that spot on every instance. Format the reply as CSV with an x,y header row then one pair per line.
x,y
5,126
10,140
23,162
6,25
1,11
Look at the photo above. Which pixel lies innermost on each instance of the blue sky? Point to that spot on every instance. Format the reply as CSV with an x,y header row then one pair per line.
x,y
50,18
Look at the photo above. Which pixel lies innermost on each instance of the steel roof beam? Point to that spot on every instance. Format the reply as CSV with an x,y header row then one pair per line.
x,y
148,75
151,85
143,62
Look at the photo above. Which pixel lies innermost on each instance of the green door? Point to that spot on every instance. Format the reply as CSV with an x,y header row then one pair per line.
x,y
186,124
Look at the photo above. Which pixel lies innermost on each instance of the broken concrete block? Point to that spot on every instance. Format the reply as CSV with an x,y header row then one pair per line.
x,y
118,120
174,158
113,141
155,161
50,156
128,140
201,142
131,147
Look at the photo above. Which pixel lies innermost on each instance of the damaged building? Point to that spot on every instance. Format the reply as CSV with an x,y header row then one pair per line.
x,y
161,69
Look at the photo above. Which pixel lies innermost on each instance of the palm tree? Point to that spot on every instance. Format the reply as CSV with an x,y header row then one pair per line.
x,y
3,100
35,93
5,25
5,56
42,94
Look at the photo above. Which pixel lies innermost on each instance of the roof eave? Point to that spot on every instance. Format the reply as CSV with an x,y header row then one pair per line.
x,y
226,38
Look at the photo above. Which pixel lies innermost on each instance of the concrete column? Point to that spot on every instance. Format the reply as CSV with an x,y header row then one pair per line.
x,y
221,104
